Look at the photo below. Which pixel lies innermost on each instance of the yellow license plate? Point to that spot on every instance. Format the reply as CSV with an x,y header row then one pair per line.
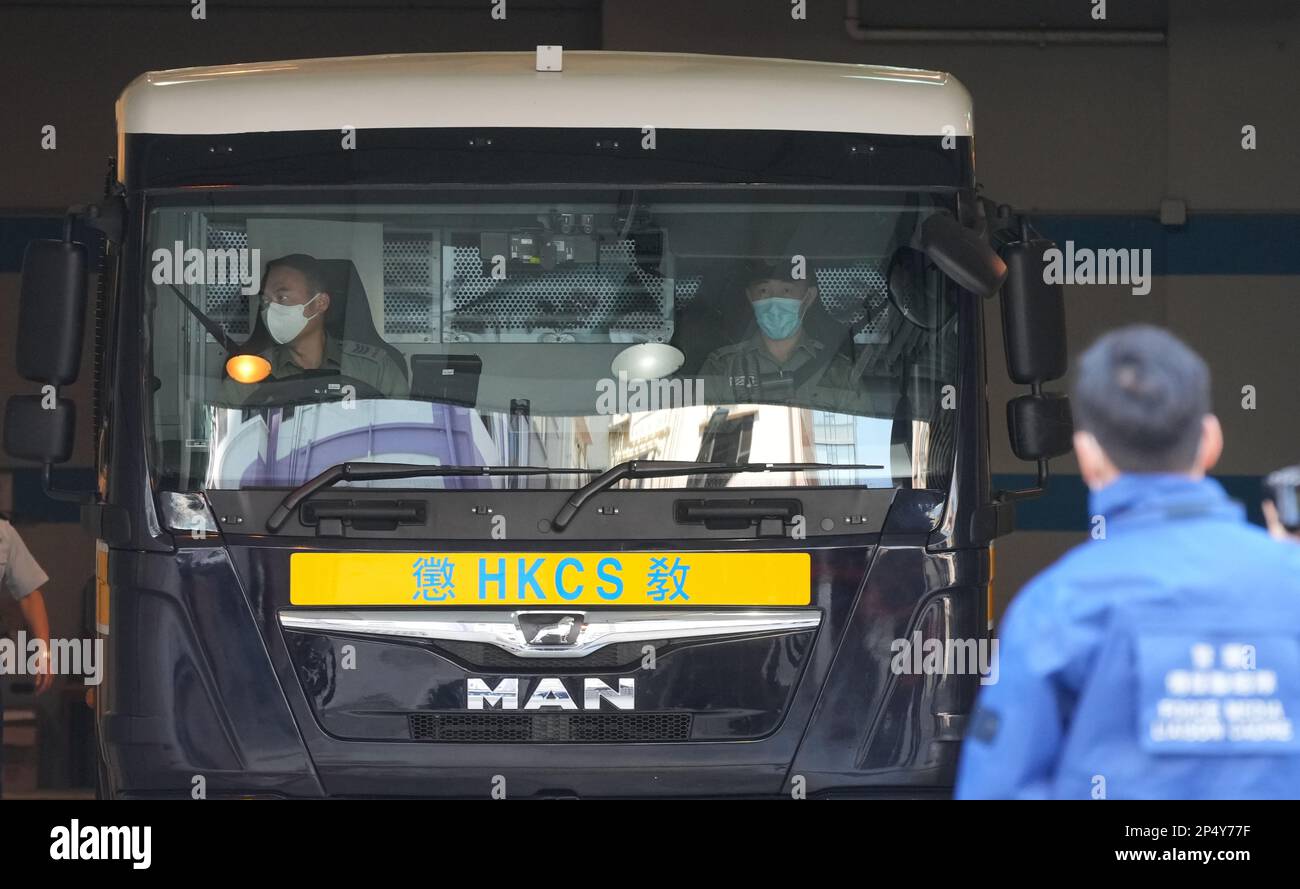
x,y
549,579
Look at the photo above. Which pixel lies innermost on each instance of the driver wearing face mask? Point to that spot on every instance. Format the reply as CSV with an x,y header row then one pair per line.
x,y
781,362
294,303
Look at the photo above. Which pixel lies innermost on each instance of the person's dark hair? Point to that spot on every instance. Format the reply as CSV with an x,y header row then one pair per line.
x,y
1143,394
309,266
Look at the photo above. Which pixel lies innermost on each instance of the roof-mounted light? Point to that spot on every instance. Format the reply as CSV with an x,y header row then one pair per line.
x,y
550,58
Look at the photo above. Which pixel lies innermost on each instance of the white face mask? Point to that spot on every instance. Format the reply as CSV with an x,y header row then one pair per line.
x,y
285,322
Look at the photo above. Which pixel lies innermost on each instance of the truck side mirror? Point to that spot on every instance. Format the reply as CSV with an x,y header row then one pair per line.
x,y
1033,329
1040,425
1033,316
51,320
52,311
35,431
962,255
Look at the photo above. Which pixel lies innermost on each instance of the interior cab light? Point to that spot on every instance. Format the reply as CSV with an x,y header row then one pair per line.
x,y
248,368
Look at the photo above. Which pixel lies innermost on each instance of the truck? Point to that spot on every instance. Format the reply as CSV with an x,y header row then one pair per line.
x,y
569,424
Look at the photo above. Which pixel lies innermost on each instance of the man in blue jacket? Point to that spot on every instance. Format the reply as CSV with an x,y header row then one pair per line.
x,y
1160,659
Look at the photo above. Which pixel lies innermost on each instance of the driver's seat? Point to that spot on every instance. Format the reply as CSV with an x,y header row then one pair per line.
x,y
348,316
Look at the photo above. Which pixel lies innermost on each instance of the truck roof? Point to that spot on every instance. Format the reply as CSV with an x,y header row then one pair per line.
x,y
503,89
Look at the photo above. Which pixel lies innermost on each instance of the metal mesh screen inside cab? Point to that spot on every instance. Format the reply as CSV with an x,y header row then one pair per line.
x,y
615,294
549,728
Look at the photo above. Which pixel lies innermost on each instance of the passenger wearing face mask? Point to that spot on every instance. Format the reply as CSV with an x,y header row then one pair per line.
x,y
294,303
781,362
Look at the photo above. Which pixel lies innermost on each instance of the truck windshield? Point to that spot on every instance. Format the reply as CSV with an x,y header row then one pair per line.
x,y
569,328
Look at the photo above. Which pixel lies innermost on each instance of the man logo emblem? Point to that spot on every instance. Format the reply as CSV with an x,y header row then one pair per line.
x,y
545,629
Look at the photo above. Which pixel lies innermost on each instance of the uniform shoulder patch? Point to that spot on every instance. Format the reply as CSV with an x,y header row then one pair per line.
x,y
355,347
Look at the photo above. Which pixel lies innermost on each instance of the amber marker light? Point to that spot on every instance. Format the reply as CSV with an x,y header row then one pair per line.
x,y
248,368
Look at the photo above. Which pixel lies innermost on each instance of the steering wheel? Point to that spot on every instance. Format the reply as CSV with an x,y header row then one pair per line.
x,y
306,387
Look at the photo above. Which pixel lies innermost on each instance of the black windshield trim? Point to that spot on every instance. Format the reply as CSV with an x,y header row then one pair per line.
x,y
496,155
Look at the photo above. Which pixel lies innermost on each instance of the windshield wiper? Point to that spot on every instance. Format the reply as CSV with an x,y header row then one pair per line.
x,y
358,472
668,468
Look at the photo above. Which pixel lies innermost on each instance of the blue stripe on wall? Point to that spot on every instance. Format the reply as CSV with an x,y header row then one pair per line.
x,y
1209,244
30,503
17,231
1065,505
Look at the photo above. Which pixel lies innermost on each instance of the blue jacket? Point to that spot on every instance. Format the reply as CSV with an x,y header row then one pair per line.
x,y
1161,660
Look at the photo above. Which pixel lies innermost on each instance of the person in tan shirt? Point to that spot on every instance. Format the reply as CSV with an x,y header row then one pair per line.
x,y
23,577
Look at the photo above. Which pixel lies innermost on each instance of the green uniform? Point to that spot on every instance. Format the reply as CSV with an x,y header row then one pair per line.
x,y
810,377
360,361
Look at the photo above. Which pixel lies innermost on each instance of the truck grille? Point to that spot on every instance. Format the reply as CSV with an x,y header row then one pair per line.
x,y
549,728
